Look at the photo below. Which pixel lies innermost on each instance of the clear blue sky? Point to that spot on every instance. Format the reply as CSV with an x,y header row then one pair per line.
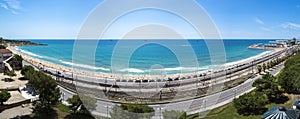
x,y
40,19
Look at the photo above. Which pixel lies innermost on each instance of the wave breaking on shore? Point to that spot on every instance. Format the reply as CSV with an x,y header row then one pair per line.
x,y
168,70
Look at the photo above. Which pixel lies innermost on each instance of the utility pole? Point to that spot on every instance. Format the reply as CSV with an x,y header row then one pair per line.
x,y
234,91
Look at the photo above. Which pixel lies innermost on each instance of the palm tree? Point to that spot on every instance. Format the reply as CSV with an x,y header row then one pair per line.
x,y
272,63
269,65
264,67
259,68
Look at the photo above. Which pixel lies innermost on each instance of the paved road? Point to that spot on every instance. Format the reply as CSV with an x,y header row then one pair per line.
x,y
190,106
197,105
193,106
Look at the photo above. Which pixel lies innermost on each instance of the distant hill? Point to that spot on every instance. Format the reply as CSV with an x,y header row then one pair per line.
x,y
19,42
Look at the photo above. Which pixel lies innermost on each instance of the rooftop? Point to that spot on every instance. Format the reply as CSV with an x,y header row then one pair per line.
x,y
297,103
277,112
5,51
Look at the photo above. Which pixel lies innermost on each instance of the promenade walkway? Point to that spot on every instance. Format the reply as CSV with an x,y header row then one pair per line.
x,y
194,105
16,111
16,96
7,64
15,84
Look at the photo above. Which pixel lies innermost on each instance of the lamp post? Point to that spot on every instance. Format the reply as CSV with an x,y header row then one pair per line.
x,y
75,78
105,84
160,112
156,84
140,95
160,94
63,96
204,103
226,73
56,75
72,76
234,91
107,110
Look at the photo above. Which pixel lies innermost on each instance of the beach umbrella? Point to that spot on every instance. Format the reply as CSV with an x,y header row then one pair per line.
x,y
277,112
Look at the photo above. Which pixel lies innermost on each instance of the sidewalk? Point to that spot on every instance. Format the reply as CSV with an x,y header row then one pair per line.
x,y
16,111
15,84
15,97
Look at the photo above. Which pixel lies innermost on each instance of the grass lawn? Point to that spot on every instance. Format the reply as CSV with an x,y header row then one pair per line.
x,y
229,112
60,112
63,112
62,107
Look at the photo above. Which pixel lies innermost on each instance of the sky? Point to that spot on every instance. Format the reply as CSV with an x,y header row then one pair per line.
x,y
234,19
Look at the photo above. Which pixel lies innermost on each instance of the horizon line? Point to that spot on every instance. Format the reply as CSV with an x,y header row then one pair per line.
x,y
148,39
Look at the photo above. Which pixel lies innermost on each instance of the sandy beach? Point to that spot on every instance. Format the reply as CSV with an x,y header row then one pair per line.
x,y
46,64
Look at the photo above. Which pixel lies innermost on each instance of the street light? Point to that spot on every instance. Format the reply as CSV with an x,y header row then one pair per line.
x,y
230,68
63,95
156,84
140,93
107,110
234,91
105,84
204,103
160,112
252,67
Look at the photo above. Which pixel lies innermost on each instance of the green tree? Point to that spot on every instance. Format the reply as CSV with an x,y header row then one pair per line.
x,y
259,68
264,67
9,73
132,111
292,61
268,85
277,61
174,114
16,62
289,79
75,102
269,65
4,96
81,105
2,46
251,103
47,89
273,63
26,69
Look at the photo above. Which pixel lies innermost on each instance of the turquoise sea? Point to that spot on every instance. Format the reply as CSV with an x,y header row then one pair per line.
x,y
60,52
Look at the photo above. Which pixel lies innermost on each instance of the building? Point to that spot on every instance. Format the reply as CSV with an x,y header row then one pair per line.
x,y
278,112
4,54
296,105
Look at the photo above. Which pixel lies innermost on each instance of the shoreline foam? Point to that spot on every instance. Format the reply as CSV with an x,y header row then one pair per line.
x,y
39,62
